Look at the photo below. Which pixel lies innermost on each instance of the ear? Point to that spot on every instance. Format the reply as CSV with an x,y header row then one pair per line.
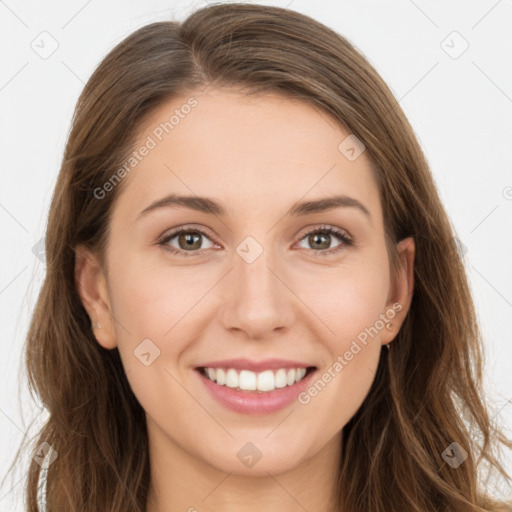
x,y
402,287
92,288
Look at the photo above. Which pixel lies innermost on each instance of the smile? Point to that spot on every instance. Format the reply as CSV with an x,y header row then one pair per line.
x,y
255,392
246,380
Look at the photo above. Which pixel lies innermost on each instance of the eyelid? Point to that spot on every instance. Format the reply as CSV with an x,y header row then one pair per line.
x,y
201,229
313,228
346,238
169,235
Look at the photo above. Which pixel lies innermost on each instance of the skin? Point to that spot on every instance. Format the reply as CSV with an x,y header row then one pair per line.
x,y
256,156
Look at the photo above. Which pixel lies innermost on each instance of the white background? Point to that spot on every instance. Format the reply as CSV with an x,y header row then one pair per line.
x,y
459,107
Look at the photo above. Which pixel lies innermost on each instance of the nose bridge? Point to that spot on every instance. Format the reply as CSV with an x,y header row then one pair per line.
x,y
258,301
255,258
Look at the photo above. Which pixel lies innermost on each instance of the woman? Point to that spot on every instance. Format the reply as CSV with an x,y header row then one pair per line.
x,y
194,347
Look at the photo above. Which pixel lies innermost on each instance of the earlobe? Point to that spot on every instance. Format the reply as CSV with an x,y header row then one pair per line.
x,y
92,289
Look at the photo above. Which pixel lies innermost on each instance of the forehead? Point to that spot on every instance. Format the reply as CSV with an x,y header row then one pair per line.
x,y
248,151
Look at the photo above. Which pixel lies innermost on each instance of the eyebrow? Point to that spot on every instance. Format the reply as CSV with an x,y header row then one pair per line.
x,y
210,206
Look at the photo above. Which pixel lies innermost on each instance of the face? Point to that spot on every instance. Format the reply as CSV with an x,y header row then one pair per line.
x,y
254,283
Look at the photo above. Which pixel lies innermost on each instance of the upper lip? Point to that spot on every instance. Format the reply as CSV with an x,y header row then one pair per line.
x,y
255,366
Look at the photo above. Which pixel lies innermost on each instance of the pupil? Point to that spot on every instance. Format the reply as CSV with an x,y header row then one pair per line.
x,y
189,239
315,237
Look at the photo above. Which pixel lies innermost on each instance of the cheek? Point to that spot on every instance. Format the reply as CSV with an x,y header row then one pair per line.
x,y
165,306
151,299
351,311
155,314
350,302
352,307
156,302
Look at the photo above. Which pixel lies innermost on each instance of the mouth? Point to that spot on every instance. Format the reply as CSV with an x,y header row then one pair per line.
x,y
251,382
255,387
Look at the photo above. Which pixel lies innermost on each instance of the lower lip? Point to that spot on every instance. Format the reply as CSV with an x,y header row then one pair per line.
x,y
250,402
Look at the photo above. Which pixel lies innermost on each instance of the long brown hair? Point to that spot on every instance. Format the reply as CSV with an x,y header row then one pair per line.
x,y
427,393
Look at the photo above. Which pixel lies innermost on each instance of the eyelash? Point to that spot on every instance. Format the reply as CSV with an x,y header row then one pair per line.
x,y
324,230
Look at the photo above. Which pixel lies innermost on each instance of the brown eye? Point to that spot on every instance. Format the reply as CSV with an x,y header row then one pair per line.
x,y
320,240
189,242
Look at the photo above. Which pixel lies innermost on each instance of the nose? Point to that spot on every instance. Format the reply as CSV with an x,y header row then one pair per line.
x,y
258,299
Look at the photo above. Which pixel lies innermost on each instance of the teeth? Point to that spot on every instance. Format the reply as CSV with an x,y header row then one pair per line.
x,y
266,381
251,381
280,380
247,380
220,376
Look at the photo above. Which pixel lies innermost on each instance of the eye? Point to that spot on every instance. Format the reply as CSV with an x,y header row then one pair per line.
x,y
322,236
189,241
